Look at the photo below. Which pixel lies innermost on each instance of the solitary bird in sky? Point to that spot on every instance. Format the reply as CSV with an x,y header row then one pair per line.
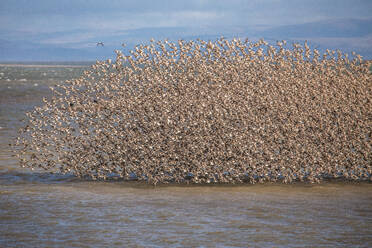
x,y
100,44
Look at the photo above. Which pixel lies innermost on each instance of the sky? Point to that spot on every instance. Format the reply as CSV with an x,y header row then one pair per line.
x,y
78,24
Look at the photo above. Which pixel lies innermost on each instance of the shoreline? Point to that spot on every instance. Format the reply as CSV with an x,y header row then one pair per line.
x,y
43,65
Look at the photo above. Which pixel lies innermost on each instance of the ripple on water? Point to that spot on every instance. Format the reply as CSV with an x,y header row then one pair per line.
x,y
39,209
276,215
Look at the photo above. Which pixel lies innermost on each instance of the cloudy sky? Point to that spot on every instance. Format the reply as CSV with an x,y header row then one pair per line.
x,y
72,23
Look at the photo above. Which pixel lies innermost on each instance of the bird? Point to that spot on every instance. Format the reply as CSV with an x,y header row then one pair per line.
x,y
203,112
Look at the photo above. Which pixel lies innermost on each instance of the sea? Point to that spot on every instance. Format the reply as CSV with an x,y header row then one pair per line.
x,y
40,209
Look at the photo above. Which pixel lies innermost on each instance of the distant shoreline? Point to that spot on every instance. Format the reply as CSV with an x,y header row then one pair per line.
x,y
42,65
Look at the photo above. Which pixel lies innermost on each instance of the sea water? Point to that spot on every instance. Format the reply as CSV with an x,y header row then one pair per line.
x,y
39,209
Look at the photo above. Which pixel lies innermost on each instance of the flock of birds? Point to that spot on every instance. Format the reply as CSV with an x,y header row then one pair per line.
x,y
228,111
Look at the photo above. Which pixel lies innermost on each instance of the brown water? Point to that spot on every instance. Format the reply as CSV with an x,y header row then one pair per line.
x,y
39,209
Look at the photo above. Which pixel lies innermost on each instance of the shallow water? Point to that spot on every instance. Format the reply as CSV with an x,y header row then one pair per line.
x,y
38,209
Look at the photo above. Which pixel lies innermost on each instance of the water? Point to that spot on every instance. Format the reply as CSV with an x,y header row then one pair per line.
x,y
38,209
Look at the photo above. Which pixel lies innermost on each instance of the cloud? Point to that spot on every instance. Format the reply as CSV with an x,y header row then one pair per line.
x,y
75,23
53,16
152,19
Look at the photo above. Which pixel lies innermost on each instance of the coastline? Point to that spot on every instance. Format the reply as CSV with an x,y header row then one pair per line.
x,y
43,65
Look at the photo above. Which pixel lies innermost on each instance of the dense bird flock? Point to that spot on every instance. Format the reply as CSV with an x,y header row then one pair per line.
x,y
228,111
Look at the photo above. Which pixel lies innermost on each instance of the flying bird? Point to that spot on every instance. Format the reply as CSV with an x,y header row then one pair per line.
x,y
100,44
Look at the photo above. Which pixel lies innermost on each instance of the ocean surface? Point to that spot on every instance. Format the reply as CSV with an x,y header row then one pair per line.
x,y
39,209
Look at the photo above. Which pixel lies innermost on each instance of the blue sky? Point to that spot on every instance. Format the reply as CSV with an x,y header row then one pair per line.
x,y
77,24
